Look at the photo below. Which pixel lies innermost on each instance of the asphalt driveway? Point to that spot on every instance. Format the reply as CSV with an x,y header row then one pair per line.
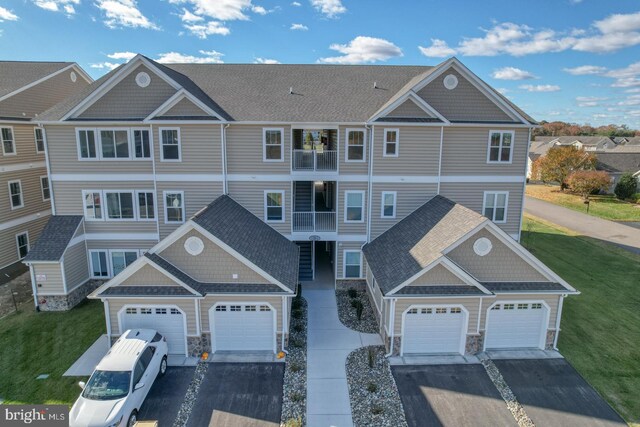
x,y
450,395
166,396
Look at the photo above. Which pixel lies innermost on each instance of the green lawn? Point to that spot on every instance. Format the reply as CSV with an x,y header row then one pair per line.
x,y
45,343
601,327
602,206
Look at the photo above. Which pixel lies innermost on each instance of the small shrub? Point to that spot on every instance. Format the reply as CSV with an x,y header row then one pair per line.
x,y
354,303
352,293
296,304
372,387
295,343
359,309
371,354
293,422
626,186
296,314
298,328
377,409
296,397
295,367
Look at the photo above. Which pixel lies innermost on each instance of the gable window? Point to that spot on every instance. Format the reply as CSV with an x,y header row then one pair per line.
x,y
120,205
500,146
87,144
388,204
99,266
146,206
352,264
92,205
121,260
353,206
170,140
44,186
8,147
115,144
39,137
272,145
22,243
355,145
141,144
391,141
274,206
15,194
495,205
173,206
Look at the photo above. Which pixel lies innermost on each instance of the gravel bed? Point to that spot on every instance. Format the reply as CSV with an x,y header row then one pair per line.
x,y
513,405
294,399
374,396
192,394
367,324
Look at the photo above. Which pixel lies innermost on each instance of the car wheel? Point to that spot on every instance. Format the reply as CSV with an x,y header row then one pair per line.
x,y
163,366
133,419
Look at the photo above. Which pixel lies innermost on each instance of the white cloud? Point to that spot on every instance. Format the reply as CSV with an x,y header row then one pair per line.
x,y
635,90
631,100
259,10
190,17
103,65
609,42
58,5
121,55
625,77
7,15
512,73
124,13
202,31
299,27
438,49
619,23
540,88
329,8
363,50
589,101
266,61
208,57
221,10
584,70
296,4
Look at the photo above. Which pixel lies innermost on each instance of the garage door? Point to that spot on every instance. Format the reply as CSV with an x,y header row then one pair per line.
x,y
434,330
169,321
243,327
516,325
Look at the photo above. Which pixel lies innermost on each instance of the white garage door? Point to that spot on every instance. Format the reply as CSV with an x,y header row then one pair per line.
x,y
170,322
238,327
516,325
434,330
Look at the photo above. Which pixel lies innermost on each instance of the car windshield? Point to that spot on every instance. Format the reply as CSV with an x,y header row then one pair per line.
x,y
107,385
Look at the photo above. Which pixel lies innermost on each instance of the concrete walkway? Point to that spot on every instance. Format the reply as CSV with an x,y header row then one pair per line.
x,y
597,228
84,366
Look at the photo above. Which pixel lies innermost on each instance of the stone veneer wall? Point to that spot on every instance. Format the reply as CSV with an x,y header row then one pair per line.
x,y
551,337
67,302
474,343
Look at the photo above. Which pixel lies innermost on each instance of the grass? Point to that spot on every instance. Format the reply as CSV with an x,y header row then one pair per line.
x,y
600,333
45,343
603,206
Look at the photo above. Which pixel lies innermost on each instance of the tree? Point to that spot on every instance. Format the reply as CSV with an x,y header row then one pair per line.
x,y
586,182
626,186
560,162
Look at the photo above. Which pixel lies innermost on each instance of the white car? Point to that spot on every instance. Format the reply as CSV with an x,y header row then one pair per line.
x,y
120,383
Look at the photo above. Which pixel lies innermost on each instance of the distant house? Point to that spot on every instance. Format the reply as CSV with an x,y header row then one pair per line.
x,y
617,164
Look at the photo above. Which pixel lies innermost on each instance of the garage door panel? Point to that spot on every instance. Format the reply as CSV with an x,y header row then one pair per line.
x,y
516,325
166,320
243,327
433,330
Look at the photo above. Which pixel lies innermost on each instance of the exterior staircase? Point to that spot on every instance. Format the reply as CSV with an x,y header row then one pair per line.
x,y
305,270
303,196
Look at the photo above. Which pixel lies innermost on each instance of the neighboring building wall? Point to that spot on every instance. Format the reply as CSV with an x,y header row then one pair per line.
x,y
76,268
8,245
343,246
50,282
245,151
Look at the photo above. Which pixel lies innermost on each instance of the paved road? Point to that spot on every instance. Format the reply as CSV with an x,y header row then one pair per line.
x,y
602,229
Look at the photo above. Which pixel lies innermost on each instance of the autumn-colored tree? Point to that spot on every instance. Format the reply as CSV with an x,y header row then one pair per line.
x,y
573,129
561,161
586,182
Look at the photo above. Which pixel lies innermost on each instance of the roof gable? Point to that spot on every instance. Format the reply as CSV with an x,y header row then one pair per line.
x,y
409,109
437,275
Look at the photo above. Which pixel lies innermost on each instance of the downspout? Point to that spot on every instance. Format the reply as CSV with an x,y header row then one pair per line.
x,y
33,286
223,131
284,322
440,158
107,313
558,317
155,179
524,185
369,195
392,329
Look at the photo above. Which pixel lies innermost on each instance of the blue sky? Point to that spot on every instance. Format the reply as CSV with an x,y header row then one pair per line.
x,y
572,60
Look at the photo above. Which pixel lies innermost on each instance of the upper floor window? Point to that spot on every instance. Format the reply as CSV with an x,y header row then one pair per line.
x,y
354,206
120,205
8,144
500,146
92,201
352,264
388,204
15,194
272,145
38,133
121,260
146,207
141,144
274,206
44,186
170,140
355,145
173,206
22,243
495,205
87,144
391,142
115,144
99,265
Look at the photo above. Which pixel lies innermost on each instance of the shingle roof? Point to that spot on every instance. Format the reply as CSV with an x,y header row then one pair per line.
x,y
440,290
54,238
618,162
146,291
498,287
17,74
419,239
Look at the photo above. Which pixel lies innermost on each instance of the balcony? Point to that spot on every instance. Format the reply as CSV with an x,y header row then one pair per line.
x,y
314,222
313,151
315,160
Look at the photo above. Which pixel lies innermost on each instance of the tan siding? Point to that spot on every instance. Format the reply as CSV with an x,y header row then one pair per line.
x,y
53,284
251,196
201,150
438,275
120,244
351,227
353,168
31,194
185,107
148,275
343,246
8,246
76,269
186,304
25,146
471,304
245,151
408,109
551,300
418,151
210,300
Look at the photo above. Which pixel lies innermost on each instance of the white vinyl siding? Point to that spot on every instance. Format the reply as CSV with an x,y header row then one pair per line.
x,y
170,150
272,145
388,209
355,147
354,206
352,264
391,142
44,186
274,206
16,198
495,206
38,134
173,206
500,146
8,143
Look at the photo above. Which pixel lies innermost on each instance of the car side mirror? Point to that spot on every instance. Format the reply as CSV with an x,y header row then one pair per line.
x,y
82,384
138,386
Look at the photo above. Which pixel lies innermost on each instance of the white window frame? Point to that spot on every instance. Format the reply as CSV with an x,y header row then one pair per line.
x,y
42,188
282,193
84,205
26,233
115,129
382,204
137,205
110,253
21,194
35,138
106,208
91,269
502,133
495,198
161,144
264,144
164,203
133,144
344,263
13,141
346,205
95,142
364,145
386,142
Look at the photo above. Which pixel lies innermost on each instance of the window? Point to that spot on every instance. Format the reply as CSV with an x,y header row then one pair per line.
x,y
176,311
523,306
8,145
495,206
121,260
22,242
146,206
120,206
131,310
15,194
272,145
455,310
536,306
352,264
146,311
87,144
391,143
170,139
173,206
355,145
500,146
250,308
221,308
39,136
115,144
509,306
99,266
274,206
236,308
388,209
441,311
141,144
92,205
265,308
353,206
412,311
44,186
161,311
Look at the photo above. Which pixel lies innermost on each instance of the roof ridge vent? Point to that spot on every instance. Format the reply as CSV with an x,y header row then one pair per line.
x,y
291,90
375,85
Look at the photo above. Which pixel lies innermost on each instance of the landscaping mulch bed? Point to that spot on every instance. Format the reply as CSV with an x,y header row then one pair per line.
x,y
348,313
294,399
374,396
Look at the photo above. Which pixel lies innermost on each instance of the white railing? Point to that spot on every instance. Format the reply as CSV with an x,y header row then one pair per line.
x,y
314,221
314,160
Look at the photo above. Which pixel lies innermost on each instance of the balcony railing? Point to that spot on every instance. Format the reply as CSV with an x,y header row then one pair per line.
x,y
314,221
315,160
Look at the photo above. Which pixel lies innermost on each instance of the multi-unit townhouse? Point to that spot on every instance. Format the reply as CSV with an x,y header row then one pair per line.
x,y
185,187
26,90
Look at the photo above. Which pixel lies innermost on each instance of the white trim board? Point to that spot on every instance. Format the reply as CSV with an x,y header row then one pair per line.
x,y
22,166
24,219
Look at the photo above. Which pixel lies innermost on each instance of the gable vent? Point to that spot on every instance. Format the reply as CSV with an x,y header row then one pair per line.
x,y
143,79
